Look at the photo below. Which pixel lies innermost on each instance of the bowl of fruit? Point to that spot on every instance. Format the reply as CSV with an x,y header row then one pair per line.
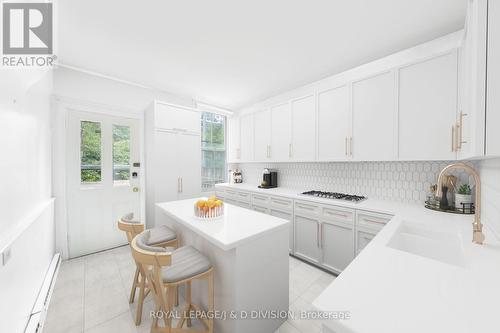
x,y
209,209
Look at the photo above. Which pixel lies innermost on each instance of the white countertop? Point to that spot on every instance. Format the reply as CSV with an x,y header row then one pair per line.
x,y
389,290
236,226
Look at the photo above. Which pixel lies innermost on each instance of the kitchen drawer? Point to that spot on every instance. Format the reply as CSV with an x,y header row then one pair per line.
x,y
260,200
261,209
305,208
282,204
231,202
220,193
231,194
244,197
244,205
374,221
331,213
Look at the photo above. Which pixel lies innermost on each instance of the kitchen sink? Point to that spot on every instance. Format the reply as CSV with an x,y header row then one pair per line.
x,y
423,241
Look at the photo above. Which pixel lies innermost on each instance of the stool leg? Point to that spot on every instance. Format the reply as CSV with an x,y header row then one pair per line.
x,y
140,302
134,285
211,301
188,302
170,307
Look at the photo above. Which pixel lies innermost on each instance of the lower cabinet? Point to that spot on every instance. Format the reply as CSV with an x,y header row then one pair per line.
x,y
260,209
307,243
363,237
337,244
368,224
287,216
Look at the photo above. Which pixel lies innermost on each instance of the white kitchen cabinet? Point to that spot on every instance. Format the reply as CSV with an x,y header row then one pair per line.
x,y
493,70
428,108
303,129
189,164
307,244
172,155
262,135
368,224
374,135
281,133
334,124
337,245
233,139
287,216
247,138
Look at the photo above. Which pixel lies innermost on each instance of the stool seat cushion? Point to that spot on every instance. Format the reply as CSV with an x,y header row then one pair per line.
x,y
186,263
143,242
160,234
129,218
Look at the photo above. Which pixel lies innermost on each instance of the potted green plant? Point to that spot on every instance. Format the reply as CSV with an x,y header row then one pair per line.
x,y
463,195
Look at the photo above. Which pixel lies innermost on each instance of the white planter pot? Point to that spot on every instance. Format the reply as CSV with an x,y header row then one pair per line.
x,y
462,198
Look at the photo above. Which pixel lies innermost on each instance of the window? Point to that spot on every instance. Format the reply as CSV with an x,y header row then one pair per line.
x,y
213,150
90,152
121,154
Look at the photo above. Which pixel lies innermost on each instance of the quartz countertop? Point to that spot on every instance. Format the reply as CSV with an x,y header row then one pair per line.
x,y
389,290
237,225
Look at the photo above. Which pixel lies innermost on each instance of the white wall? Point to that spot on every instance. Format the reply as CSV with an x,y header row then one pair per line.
x,y
91,88
489,170
26,221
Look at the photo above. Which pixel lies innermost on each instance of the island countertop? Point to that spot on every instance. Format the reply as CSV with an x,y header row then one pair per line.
x,y
237,225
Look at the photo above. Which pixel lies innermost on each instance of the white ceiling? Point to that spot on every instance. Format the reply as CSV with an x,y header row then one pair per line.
x,y
232,52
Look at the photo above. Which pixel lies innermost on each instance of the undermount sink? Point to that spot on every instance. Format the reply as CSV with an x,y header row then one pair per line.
x,y
425,242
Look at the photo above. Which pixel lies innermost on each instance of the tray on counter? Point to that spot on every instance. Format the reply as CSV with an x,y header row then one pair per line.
x,y
468,209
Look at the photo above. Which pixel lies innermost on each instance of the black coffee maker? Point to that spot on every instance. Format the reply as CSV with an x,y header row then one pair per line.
x,y
269,179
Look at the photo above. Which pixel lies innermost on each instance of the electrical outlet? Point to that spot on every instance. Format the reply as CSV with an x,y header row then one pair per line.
x,y
6,256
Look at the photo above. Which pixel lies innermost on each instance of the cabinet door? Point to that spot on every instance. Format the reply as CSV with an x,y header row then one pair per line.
x,y
363,237
262,135
307,238
428,108
177,118
189,162
374,136
260,209
337,244
281,132
165,173
233,140
304,129
289,217
247,138
334,124
493,101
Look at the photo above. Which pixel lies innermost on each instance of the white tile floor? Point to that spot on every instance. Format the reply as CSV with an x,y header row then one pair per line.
x,y
91,295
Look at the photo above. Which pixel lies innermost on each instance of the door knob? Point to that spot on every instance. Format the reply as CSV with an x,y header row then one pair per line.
x,y
135,189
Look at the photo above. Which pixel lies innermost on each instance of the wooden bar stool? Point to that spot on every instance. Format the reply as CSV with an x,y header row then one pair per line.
x,y
167,270
162,237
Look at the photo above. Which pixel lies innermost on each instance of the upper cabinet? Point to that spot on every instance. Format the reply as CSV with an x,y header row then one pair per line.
x,y
247,138
176,118
493,75
334,124
374,133
233,139
427,109
281,133
303,146
262,124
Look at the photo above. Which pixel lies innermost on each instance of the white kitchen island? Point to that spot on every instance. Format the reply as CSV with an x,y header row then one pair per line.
x,y
249,252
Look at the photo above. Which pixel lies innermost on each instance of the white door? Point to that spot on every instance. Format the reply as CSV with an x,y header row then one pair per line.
x,y
427,108
281,133
262,135
304,129
233,140
103,177
334,124
247,138
189,164
374,133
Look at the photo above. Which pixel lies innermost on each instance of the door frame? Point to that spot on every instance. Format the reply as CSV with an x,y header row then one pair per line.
x,y
61,107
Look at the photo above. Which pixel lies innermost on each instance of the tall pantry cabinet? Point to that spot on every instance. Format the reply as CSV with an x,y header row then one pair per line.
x,y
172,155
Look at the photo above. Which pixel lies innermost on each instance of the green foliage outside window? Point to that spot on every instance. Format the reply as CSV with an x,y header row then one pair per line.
x,y
90,150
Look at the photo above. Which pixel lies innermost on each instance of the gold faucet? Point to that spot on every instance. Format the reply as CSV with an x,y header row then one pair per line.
x,y
477,227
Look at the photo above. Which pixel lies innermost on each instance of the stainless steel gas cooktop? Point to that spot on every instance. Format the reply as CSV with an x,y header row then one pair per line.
x,y
335,195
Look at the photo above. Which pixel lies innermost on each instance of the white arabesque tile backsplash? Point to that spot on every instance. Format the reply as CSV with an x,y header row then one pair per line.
x,y
396,181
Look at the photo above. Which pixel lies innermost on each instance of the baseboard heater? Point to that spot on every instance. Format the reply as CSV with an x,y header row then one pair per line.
x,y
39,312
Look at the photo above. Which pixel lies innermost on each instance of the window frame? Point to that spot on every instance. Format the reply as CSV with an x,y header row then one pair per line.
x,y
204,149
